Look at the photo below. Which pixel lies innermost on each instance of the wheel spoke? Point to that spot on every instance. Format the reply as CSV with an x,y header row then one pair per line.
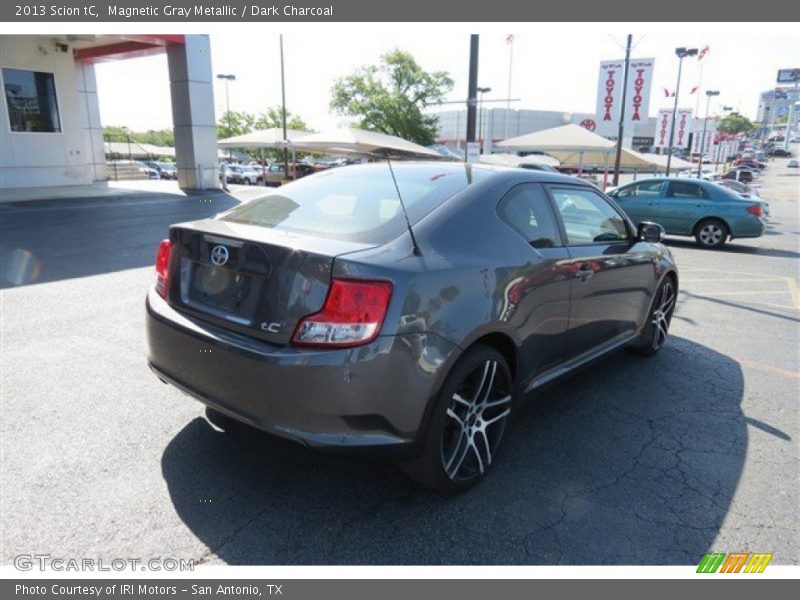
x,y
452,414
457,459
493,403
474,446
460,400
486,445
497,417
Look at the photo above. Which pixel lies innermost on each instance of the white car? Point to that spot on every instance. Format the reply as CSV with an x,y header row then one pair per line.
x,y
792,164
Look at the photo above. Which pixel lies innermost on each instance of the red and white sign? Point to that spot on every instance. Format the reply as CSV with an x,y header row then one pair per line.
x,y
589,124
609,96
663,122
637,99
700,143
683,126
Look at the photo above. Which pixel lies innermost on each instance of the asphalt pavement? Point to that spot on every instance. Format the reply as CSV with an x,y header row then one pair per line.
x,y
634,461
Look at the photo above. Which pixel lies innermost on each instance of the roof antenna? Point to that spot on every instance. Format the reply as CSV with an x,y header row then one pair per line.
x,y
417,251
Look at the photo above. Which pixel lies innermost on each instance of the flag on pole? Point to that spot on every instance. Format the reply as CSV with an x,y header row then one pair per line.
x,y
510,38
694,89
668,94
703,51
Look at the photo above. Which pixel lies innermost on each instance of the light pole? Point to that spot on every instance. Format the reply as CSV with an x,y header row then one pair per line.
x,y
709,94
681,53
481,91
228,77
128,137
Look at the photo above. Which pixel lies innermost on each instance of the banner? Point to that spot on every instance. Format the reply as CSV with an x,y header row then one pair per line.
x,y
699,142
609,97
663,121
683,126
637,98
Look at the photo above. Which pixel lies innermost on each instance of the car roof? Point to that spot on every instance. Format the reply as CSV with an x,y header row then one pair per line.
x,y
447,167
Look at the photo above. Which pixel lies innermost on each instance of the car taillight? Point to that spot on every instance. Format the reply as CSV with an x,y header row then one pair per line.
x,y
353,314
755,209
162,268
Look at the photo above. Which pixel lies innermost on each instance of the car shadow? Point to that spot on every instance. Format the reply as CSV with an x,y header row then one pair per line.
x,y
53,240
633,461
734,248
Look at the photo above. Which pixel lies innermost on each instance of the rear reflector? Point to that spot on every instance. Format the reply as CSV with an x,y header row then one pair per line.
x,y
162,268
755,209
352,315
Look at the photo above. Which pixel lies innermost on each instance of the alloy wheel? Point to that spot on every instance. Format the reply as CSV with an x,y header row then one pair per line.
x,y
476,420
662,314
711,234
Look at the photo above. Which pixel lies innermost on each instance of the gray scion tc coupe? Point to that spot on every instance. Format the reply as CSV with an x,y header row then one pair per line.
x,y
333,313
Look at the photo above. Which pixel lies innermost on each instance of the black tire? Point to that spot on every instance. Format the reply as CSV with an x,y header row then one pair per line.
x,y
464,435
656,330
222,421
711,234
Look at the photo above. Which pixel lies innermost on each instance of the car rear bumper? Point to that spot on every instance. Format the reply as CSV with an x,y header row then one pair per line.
x,y
373,397
748,227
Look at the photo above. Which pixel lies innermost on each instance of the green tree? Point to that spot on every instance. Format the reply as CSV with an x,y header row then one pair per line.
x,y
735,123
390,97
273,117
234,123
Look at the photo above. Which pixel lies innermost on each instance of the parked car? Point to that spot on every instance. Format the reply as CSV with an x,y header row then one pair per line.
x,y
167,170
707,174
276,175
243,174
742,174
779,152
746,191
333,325
693,207
792,164
147,170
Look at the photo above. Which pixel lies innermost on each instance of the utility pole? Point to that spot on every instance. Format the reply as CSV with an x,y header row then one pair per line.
x,y
618,158
228,77
793,99
283,111
472,92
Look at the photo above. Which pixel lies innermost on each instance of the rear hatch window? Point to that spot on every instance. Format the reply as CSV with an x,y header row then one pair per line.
x,y
357,203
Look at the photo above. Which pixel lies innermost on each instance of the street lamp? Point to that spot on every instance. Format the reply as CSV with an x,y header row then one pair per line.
x,y
481,91
709,94
228,77
681,53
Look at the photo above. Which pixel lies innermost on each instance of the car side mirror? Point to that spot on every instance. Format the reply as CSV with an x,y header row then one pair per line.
x,y
651,232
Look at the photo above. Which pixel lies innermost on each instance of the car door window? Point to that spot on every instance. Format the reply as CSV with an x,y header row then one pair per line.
x,y
588,217
646,189
685,190
526,209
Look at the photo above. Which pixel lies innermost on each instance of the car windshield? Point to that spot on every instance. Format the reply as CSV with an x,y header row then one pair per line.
x,y
357,203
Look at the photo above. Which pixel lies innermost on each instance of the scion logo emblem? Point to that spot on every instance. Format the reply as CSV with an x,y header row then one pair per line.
x,y
219,255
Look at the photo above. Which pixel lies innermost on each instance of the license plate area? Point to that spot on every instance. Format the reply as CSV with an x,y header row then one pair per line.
x,y
224,293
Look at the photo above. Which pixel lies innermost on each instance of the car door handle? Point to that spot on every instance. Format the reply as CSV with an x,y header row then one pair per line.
x,y
585,272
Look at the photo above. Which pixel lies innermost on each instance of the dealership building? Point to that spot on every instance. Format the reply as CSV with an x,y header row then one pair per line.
x,y
496,124
51,133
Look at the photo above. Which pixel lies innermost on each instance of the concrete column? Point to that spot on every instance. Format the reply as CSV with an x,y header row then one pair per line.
x,y
89,107
193,118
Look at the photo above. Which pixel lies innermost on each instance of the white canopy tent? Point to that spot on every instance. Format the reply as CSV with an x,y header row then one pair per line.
x,y
360,141
566,140
512,160
263,138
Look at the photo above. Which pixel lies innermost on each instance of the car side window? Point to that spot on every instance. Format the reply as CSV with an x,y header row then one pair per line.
x,y
684,189
646,189
526,209
588,217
